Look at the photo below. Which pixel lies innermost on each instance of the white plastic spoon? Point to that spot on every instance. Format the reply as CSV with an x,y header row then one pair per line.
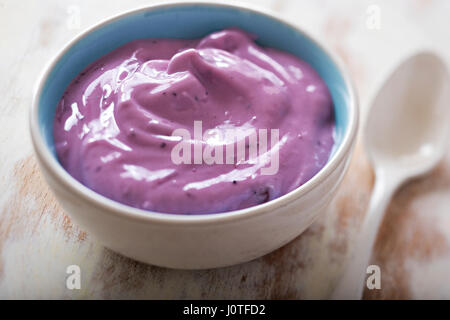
x,y
405,136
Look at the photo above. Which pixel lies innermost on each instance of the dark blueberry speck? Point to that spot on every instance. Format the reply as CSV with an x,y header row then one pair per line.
x,y
162,145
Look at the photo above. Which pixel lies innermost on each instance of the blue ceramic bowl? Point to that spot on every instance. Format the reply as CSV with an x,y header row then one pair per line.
x,y
108,219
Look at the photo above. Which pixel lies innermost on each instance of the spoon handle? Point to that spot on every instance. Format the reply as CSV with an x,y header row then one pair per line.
x,y
351,284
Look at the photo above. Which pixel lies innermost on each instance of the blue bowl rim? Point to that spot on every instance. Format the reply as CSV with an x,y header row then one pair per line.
x,y
47,160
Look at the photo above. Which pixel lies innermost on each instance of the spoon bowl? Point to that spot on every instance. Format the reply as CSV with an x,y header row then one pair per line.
x,y
408,122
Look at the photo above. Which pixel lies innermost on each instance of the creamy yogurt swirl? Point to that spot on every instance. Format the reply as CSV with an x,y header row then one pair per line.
x,y
114,125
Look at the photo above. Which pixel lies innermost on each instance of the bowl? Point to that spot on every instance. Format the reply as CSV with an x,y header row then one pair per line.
x,y
192,241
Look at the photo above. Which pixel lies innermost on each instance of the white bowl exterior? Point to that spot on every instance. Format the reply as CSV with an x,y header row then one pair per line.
x,y
200,246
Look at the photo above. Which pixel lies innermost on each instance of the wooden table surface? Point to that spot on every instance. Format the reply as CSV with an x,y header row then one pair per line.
x,y
38,241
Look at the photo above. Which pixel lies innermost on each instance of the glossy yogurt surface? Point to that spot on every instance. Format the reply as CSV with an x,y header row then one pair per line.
x,y
114,125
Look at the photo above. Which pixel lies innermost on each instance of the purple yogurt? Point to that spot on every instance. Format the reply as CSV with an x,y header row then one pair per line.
x,y
114,126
